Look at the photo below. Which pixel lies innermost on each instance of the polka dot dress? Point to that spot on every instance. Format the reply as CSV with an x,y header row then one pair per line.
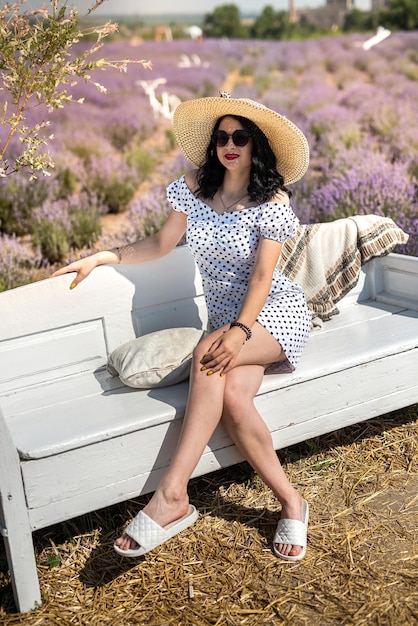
x,y
225,246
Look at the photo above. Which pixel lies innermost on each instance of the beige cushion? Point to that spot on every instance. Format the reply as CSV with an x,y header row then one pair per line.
x,y
158,359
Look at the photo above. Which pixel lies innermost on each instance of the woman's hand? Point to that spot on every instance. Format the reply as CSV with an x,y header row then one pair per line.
x,y
83,267
223,352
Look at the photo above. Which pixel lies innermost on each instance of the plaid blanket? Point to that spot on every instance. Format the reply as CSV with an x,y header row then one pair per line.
x,y
325,259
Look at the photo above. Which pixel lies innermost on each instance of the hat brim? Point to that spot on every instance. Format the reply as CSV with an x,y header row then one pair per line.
x,y
194,120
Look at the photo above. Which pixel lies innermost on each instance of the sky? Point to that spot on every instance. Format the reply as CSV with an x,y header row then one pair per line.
x,y
136,7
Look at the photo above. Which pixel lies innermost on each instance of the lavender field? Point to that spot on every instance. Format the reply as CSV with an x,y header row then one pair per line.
x,y
115,153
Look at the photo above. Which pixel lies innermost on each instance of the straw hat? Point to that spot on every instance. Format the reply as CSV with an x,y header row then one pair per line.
x,y
194,121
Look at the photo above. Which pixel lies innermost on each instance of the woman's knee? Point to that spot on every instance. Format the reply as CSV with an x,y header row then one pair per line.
x,y
204,345
199,352
237,401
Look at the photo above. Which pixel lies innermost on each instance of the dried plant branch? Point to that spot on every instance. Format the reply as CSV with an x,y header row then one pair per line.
x,y
38,65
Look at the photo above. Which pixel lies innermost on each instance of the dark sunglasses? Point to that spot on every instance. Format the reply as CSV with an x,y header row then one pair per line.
x,y
240,138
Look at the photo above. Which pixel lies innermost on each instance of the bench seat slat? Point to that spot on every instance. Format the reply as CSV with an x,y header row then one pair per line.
x,y
119,468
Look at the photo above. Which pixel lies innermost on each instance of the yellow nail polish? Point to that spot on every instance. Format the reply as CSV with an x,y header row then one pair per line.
x,y
222,374
203,369
209,373
73,285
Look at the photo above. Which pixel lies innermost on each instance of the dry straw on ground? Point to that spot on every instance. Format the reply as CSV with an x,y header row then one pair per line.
x,y
361,565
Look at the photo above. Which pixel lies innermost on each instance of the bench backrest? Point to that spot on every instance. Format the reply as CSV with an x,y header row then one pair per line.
x,y
48,331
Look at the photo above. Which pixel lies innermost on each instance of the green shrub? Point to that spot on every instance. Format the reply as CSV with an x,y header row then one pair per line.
x,y
18,199
247,70
152,223
18,265
66,224
112,181
67,182
117,194
52,240
119,134
85,227
141,161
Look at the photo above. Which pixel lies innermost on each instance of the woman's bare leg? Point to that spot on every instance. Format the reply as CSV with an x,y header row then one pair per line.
x,y
250,434
203,413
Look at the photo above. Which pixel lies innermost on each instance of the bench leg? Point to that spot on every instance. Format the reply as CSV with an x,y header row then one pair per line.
x,y
15,526
22,565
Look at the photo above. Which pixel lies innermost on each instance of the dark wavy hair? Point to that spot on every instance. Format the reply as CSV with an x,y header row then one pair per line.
x,y
265,181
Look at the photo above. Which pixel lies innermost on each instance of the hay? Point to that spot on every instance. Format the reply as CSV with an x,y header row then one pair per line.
x,y
360,568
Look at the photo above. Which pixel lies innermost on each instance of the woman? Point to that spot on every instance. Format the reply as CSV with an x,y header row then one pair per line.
x,y
235,209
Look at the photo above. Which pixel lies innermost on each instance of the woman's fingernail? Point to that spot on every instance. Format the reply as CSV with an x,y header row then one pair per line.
x,y
222,374
203,369
209,373
73,285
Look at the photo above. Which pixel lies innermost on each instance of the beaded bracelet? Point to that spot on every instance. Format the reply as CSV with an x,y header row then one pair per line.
x,y
243,327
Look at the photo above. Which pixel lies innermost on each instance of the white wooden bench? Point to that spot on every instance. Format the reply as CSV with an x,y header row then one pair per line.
x,y
73,439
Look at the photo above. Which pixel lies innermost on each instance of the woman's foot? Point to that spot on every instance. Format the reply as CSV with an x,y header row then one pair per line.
x,y
295,509
162,511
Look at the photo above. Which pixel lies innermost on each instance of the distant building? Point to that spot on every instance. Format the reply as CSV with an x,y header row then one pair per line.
x,y
292,12
330,16
379,5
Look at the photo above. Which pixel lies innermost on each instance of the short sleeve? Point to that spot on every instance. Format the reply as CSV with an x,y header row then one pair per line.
x,y
178,195
277,221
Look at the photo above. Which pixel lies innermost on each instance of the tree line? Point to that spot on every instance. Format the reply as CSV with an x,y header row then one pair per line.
x,y
226,21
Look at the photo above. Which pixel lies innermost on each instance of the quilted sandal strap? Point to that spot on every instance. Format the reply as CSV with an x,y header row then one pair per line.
x,y
291,532
147,533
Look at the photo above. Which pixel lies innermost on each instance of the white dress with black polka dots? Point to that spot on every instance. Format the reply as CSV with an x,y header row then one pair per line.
x,y
224,247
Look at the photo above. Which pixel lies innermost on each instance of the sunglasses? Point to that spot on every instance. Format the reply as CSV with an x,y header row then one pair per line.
x,y
240,138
